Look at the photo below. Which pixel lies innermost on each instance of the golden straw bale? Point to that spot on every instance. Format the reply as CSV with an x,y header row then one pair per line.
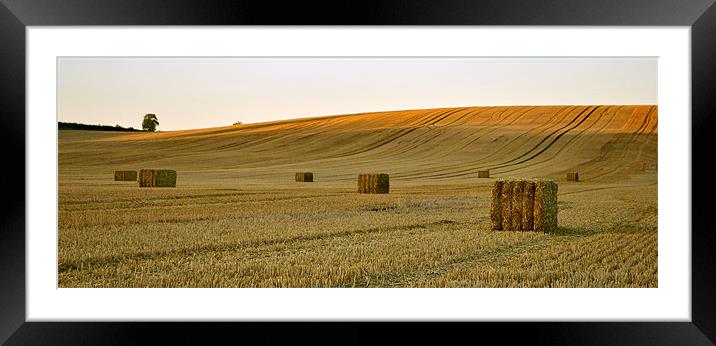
x,y
517,206
362,183
157,178
545,207
528,201
524,205
496,207
506,204
373,183
125,175
305,177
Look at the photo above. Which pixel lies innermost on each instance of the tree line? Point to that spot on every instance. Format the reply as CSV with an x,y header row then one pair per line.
x,y
79,126
149,123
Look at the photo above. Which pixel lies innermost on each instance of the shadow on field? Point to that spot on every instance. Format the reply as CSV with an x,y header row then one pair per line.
x,y
618,228
573,232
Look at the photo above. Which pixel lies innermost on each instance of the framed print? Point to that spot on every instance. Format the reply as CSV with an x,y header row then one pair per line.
x,y
432,161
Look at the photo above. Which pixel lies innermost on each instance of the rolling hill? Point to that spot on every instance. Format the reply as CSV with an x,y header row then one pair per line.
x,y
602,143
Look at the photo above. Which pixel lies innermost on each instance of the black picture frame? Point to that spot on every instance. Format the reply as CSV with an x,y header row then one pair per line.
x,y
16,15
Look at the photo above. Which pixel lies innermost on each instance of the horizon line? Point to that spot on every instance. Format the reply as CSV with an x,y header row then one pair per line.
x,y
307,117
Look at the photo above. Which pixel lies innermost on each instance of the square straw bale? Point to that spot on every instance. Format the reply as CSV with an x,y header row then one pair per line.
x,y
373,183
125,175
506,204
496,206
528,201
545,207
306,177
157,178
517,206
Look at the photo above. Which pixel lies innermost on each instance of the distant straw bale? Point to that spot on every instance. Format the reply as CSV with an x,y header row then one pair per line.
x,y
304,177
483,174
573,176
157,178
125,175
373,183
496,206
524,205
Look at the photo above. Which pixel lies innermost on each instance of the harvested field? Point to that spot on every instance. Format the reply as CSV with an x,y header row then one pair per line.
x,y
237,220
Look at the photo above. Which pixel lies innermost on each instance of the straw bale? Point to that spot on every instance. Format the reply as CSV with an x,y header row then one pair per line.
x,y
373,183
483,174
125,175
524,205
517,206
305,177
166,178
157,178
528,201
574,176
362,183
506,204
545,207
496,206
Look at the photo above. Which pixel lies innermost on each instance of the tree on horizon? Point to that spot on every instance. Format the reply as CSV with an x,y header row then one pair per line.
x,y
150,122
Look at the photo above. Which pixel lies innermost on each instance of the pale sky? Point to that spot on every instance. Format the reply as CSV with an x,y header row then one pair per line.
x,y
187,93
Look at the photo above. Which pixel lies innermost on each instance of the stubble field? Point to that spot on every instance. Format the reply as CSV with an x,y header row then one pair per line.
x,y
237,218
